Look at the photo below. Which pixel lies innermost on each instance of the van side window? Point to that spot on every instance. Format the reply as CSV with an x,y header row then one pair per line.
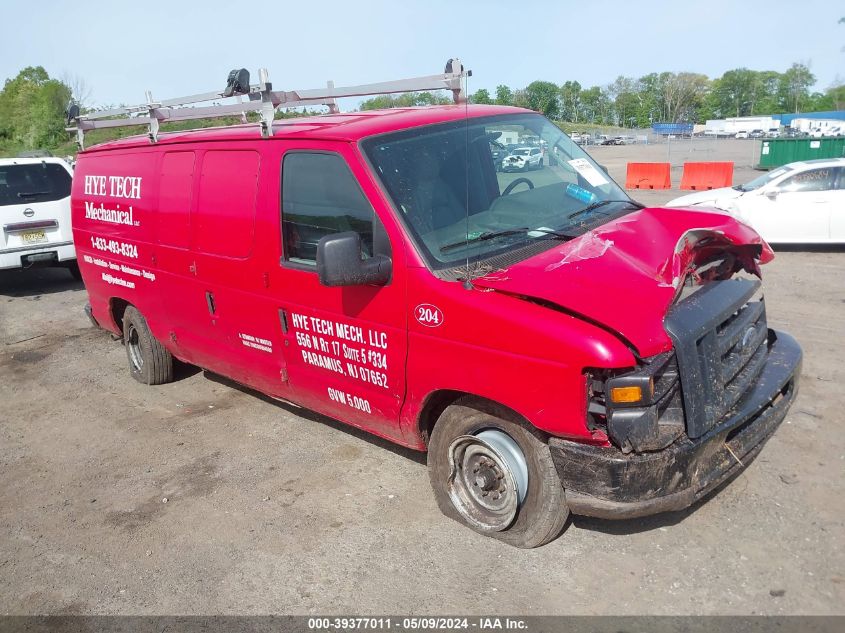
x,y
176,185
224,220
320,196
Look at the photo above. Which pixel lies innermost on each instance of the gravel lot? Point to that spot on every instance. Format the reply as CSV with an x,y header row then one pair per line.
x,y
200,497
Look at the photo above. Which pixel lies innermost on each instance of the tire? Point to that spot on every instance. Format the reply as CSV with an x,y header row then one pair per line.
x,y
73,269
542,514
149,362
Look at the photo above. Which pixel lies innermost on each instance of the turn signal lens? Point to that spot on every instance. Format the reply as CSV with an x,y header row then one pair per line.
x,y
626,394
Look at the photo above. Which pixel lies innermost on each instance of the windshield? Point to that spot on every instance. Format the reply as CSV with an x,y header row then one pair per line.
x,y
33,182
462,205
765,179
521,152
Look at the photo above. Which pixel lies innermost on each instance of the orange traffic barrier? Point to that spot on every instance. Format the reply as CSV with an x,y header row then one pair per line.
x,y
698,176
648,176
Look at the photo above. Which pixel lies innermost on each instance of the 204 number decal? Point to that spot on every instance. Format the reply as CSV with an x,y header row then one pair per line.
x,y
428,315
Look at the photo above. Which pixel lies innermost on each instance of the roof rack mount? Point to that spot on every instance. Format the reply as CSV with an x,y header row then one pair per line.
x,y
260,98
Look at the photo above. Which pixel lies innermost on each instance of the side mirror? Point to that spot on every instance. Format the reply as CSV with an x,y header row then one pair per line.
x,y
771,195
340,263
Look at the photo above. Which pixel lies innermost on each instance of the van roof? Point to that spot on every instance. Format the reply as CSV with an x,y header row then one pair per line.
x,y
348,126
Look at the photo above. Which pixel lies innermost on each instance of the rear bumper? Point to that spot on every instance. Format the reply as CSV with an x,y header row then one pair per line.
x,y
19,256
605,483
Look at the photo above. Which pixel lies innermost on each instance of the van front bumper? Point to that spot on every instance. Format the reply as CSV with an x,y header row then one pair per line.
x,y
603,482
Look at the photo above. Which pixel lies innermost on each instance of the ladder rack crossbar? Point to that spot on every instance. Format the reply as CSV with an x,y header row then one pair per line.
x,y
431,82
259,98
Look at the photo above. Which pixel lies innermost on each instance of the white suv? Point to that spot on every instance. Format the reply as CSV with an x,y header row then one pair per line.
x,y
35,213
523,159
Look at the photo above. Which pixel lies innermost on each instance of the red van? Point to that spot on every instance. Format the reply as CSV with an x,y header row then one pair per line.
x,y
552,344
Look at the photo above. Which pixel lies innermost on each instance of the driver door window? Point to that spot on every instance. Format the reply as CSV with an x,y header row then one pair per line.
x,y
320,197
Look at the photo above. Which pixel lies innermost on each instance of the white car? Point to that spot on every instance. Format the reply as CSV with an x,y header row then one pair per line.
x,y
801,202
35,213
741,134
523,159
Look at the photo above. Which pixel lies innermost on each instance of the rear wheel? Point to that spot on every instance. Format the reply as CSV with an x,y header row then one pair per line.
x,y
149,362
495,475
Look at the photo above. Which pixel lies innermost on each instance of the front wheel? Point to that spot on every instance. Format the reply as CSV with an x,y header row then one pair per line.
x,y
149,361
494,474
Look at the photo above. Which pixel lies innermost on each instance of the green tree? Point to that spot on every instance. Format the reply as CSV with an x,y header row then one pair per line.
x,y
520,99
481,96
504,95
683,94
622,94
836,93
32,109
595,105
570,101
794,87
733,92
542,96
405,100
649,100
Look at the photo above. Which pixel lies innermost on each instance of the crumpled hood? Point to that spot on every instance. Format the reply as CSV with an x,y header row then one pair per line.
x,y
719,198
625,274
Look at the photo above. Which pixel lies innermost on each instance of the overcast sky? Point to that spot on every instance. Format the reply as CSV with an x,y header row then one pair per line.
x,y
179,48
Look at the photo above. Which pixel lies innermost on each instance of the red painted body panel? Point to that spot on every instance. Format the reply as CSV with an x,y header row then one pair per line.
x,y
360,354
626,273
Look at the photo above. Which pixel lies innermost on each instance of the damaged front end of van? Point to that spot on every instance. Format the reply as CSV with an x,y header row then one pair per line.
x,y
712,381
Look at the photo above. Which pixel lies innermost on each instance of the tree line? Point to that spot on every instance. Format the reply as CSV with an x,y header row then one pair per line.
x,y
32,104
673,97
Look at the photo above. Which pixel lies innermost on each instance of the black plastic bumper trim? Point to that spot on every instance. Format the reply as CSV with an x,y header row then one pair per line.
x,y
603,482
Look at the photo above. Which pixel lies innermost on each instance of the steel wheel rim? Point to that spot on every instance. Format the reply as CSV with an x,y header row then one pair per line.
x,y
488,479
133,342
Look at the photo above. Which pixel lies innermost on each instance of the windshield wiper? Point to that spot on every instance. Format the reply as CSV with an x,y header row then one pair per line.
x,y
30,194
483,237
601,203
553,233
489,235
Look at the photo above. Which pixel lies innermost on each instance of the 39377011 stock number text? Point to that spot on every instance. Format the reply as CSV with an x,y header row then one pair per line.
x,y
423,623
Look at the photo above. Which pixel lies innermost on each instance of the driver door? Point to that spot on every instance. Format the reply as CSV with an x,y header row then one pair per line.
x,y
345,346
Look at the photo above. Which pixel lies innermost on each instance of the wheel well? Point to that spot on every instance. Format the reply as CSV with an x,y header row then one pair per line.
x,y
437,403
117,308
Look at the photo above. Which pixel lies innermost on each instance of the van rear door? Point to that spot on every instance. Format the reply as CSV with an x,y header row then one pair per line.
x,y
218,298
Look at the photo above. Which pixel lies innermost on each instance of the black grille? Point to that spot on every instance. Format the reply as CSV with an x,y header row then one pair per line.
x,y
720,338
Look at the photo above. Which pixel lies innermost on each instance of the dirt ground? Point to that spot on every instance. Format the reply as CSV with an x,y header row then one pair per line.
x,y
199,497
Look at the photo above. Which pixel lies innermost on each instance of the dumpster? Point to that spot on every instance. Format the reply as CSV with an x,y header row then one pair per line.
x,y
780,151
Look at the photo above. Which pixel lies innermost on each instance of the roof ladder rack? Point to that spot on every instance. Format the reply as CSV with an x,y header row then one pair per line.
x,y
260,98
